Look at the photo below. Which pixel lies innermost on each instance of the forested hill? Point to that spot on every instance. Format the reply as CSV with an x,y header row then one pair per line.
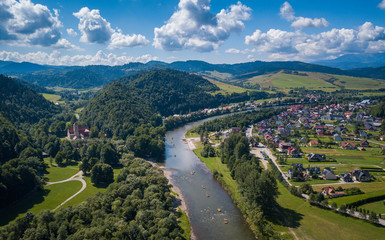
x,y
20,104
170,91
123,105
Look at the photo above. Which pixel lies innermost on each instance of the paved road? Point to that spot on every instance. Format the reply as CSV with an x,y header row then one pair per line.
x,y
77,177
267,151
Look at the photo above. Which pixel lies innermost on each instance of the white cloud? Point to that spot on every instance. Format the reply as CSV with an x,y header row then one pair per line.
x,y
65,44
193,26
237,51
71,32
381,5
329,44
119,40
301,22
233,50
56,58
23,22
287,13
95,29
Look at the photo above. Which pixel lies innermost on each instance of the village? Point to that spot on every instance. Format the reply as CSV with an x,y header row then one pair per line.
x,y
337,149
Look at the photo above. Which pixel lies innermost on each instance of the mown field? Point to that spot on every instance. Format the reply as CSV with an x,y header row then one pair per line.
x,y
36,201
310,222
315,81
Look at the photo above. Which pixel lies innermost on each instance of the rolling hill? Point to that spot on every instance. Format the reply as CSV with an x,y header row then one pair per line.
x,y
313,81
78,77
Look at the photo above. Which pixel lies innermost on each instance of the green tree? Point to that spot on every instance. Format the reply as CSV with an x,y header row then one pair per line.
x,y
102,173
59,158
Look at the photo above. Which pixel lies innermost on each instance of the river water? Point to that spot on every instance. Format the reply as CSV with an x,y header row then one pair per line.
x,y
205,220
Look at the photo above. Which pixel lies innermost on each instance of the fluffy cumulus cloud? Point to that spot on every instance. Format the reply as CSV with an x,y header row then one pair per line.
x,y
23,22
299,45
119,40
71,32
193,26
56,58
382,5
95,29
287,13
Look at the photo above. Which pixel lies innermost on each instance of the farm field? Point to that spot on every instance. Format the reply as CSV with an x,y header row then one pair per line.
x,y
310,222
377,207
369,157
51,97
228,88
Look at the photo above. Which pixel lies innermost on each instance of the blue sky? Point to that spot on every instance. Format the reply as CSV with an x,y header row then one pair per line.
x,y
82,32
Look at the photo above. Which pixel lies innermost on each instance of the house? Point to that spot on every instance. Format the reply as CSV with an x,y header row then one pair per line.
x,y
283,146
363,134
360,175
77,132
312,157
364,143
312,143
346,177
313,170
382,137
331,192
299,166
293,152
328,174
348,145
337,137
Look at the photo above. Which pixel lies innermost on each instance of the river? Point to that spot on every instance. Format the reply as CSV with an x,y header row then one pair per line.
x,y
205,220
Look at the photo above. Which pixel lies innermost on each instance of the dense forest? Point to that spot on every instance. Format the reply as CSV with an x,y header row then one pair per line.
x,y
20,104
259,188
378,110
170,91
138,205
20,164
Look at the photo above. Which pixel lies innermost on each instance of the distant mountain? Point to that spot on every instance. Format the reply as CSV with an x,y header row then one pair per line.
x,y
369,72
19,104
95,76
350,61
7,67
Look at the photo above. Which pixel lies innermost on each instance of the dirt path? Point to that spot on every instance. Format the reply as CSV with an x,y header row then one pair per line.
x,y
77,177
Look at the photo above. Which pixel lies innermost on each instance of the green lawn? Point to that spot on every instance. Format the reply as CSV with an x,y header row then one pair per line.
x,y
56,174
377,207
49,198
310,222
90,191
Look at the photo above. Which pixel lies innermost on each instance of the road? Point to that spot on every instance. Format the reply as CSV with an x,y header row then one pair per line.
x,y
77,177
263,148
